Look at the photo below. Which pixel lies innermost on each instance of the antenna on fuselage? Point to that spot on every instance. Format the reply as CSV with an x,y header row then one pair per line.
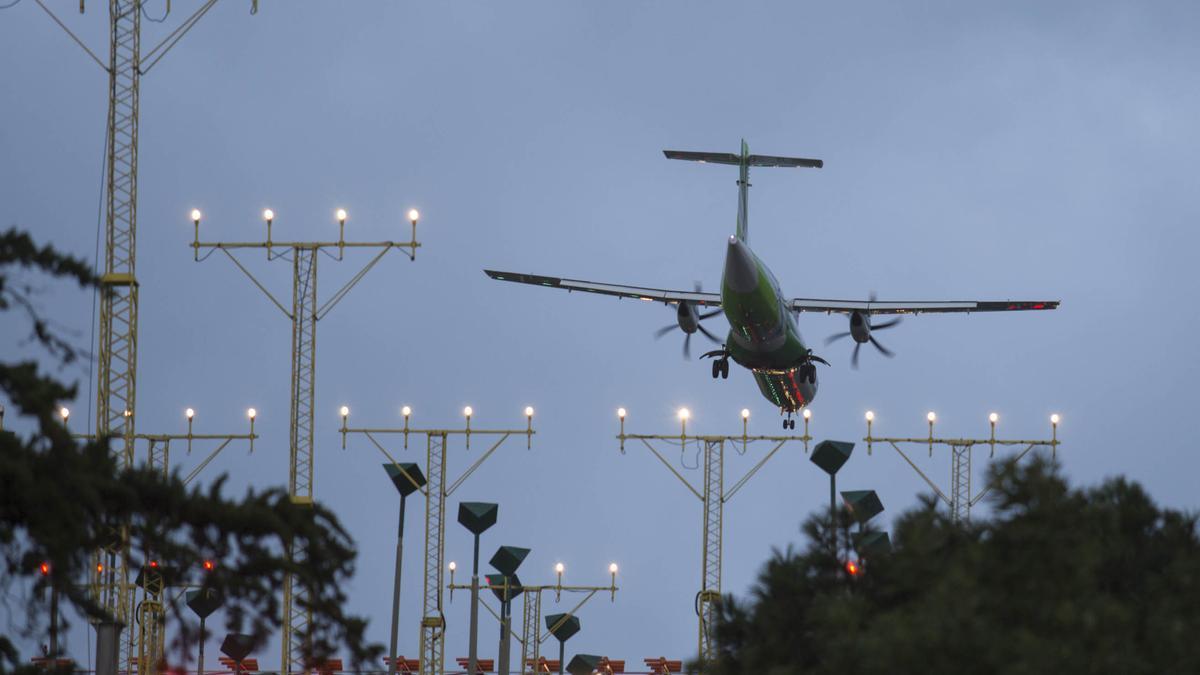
x,y
743,161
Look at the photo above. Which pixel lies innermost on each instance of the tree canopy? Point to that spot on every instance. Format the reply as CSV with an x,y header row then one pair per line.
x,y
62,500
1056,580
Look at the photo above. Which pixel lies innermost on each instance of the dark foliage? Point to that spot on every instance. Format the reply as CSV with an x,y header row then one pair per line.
x,y
1058,580
62,501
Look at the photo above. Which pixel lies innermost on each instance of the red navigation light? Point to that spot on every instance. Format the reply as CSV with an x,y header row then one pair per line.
x,y
209,565
852,568
154,564
44,568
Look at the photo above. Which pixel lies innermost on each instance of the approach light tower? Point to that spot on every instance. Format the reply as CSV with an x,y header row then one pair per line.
x,y
532,637
433,623
713,498
118,326
304,314
961,499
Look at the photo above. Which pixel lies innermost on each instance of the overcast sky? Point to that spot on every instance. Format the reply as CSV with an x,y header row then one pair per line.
x,y
1022,150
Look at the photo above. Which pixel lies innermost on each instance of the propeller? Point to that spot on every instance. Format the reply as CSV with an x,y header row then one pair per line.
x,y
687,319
861,329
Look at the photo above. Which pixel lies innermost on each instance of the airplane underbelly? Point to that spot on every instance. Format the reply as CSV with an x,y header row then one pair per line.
x,y
787,388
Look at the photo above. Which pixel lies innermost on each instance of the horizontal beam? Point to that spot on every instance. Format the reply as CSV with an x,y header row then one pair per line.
x,y
304,245
961,442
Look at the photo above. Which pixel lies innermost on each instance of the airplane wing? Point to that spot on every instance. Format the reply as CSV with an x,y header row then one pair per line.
x,y
636,292
917,307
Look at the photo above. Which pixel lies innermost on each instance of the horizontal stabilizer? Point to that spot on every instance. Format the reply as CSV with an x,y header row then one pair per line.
x,y
767,160
704,157
751,160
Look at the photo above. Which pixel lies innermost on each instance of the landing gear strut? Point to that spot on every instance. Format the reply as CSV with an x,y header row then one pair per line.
x,y
788,422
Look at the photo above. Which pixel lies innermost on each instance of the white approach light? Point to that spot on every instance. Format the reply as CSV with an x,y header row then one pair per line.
x,y
684,413
467,411
931,416
341,215
251,413
807,414
529,411
406,411
196,216
621,413
345,411
745,413
64,413
870,416
190,413
993,418
1054,418
612,569
559,568
268,215
414,215
453,566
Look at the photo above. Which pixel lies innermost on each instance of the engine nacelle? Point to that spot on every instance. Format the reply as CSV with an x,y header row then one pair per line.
x,y
860,327
688,318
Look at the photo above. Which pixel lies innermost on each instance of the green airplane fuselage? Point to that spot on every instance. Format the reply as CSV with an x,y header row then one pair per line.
x,y
763,336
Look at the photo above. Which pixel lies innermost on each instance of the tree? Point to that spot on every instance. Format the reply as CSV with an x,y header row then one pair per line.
x,y
1058,580
61,501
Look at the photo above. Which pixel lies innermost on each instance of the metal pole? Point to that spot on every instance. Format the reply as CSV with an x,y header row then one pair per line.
x,y
473,653
833,525
562,652
505,613
200,658
108,638
53,620
396,590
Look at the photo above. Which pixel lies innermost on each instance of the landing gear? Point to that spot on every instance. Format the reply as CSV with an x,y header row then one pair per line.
x,y
720,366
808,372
788,422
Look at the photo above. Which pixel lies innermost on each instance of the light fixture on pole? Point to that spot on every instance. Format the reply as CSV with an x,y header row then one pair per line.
x,y
407,478
506,586
830,456
203,601
562,626
477,517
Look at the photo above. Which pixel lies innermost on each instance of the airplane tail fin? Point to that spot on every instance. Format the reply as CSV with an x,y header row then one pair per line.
x,y
743,161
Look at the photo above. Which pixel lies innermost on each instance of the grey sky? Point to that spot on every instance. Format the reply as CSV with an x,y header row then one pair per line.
x,y
971,152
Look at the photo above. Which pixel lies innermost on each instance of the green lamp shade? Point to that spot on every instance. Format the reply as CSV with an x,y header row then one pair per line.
x,y
237,645
477,516
508,558
505,587
406,476
204,601
583,664
831,455
874,543
562,626
863,504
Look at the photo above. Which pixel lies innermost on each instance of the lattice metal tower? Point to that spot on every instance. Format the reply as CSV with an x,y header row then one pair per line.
x,y
712,496
961,499
436,491
304,314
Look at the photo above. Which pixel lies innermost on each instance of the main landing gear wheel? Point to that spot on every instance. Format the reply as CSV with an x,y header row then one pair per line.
x,y
720,366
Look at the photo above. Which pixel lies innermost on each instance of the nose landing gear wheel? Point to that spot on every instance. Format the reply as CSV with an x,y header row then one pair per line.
x,y
724,368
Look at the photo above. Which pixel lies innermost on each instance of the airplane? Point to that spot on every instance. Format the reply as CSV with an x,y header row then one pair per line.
x,y
764,337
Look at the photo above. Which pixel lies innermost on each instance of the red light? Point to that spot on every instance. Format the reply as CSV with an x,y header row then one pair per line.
x,y
154,564
44,568
99,568
852,568
208,565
